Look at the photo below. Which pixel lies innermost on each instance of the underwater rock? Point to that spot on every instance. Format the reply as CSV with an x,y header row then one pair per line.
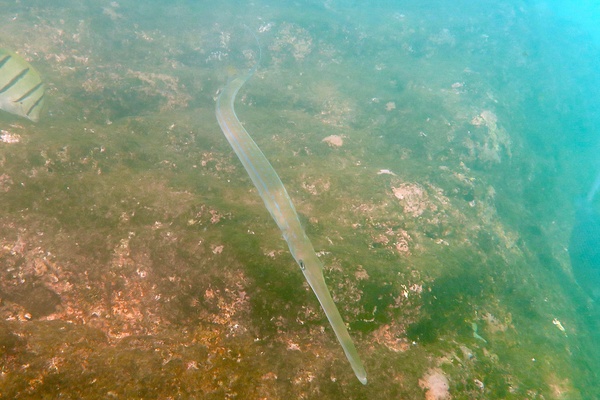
x,y
334,141
35,298
9,342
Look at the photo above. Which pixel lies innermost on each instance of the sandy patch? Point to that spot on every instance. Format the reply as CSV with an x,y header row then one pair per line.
x,y
413,198
436,385
7,137
334,141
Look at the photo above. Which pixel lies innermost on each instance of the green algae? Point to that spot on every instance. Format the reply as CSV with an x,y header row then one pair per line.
x,y
129,191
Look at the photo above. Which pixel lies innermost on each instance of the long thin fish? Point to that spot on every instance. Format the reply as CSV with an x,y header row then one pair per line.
x,y
584,245
282,210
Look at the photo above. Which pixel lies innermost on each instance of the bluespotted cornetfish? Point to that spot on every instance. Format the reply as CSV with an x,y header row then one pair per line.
x,y
282,210
584,244
21,88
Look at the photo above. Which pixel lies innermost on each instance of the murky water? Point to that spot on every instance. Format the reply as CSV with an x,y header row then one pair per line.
x,y
434,151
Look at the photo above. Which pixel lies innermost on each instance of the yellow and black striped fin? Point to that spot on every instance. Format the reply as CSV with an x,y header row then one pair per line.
x,y
21,88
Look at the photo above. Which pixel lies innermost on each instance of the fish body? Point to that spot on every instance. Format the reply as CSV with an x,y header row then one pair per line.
x,y
21,87
279,205
584,244
584,250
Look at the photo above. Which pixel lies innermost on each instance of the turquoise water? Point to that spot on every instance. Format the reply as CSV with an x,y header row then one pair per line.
x,y
139,262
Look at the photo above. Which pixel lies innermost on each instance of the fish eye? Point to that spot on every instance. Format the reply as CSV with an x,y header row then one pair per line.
x,y
301,264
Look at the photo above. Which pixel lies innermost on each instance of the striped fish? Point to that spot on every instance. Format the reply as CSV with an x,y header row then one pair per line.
x,y
21,88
